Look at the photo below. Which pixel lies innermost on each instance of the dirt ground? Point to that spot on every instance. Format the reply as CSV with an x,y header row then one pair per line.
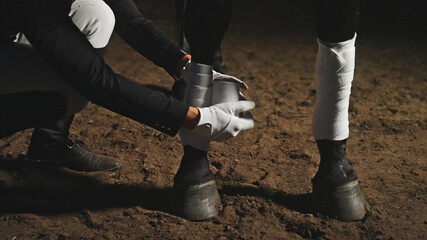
x,y
264,175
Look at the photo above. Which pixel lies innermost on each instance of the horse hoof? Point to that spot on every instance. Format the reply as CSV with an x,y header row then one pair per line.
x,y
197,202
345,202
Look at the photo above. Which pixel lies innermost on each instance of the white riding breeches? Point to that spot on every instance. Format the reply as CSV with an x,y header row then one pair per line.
x,y
23,70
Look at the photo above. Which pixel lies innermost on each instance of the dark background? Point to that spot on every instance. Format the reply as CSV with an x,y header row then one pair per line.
x,y
395,17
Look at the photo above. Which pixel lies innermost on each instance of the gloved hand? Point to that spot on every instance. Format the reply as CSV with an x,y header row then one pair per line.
x,y
218,123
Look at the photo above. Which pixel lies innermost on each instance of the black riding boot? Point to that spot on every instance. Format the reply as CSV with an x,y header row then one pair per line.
x,y
51,146
336,190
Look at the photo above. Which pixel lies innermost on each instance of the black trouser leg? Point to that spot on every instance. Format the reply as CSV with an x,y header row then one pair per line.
x,y
51,135
21,111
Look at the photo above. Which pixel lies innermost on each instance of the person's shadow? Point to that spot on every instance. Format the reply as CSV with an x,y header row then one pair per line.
x,y
57,191
52,191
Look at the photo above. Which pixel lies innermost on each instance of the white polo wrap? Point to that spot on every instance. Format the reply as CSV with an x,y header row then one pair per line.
x,y
335,65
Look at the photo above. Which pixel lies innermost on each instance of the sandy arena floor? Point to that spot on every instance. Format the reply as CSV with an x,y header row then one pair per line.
x,y
264,174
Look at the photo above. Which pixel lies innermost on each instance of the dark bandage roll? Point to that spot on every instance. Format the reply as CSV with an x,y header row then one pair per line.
x,y
337,20
205,23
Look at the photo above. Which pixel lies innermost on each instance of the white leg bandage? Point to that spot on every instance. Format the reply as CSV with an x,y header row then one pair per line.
x,y
198,94
335,70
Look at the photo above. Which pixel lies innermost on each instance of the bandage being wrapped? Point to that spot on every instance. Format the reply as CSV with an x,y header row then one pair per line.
x,y
206,87
226,88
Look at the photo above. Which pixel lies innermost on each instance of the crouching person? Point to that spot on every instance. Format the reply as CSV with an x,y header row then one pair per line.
x,y
45,84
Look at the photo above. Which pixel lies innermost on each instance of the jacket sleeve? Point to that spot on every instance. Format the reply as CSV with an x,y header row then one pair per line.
x,y
144,36
72,56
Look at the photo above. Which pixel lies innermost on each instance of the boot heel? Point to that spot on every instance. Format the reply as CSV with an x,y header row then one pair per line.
x,y
197,202
346,201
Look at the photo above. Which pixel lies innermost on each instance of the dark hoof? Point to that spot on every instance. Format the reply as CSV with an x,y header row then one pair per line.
x,y
345,202
197,202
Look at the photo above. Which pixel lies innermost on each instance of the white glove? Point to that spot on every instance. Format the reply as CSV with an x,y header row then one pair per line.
x,y
218,123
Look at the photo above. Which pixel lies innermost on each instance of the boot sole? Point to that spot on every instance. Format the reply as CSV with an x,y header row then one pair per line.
x,y
198,202
345,202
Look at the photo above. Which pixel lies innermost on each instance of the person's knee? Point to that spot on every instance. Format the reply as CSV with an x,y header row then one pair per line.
x,y
95,19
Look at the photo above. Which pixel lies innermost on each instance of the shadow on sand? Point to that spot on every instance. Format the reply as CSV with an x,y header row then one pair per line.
x,y
48,191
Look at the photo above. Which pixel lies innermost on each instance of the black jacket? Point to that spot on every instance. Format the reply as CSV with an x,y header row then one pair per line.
x,y
53,35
